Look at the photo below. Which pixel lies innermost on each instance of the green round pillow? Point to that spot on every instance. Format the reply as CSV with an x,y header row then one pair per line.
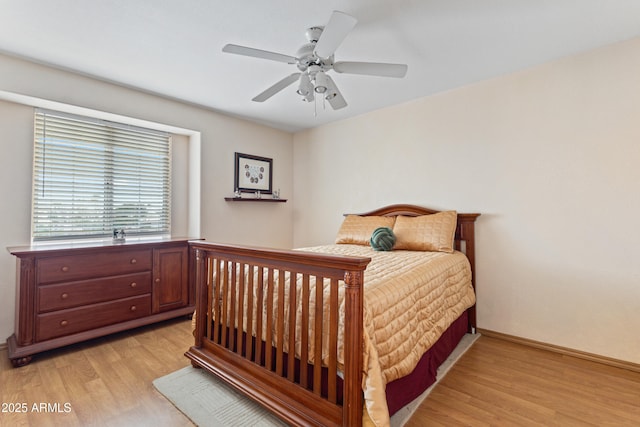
x,y
382,239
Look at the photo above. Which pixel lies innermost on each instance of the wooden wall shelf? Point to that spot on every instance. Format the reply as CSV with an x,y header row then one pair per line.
x,y
253,199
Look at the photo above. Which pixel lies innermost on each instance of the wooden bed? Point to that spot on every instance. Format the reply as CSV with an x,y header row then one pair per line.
x,y
301,393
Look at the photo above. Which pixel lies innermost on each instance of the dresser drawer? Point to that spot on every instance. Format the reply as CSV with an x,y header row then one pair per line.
x,y
66,322
73,294
86,266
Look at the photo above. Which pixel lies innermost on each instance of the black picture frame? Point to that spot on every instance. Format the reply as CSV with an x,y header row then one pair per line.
x,y
253,173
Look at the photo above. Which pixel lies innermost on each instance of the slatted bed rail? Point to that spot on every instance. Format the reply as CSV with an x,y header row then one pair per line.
x,y
256,306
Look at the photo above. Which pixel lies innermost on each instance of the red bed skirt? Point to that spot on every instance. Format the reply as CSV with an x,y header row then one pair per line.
x,y
403,390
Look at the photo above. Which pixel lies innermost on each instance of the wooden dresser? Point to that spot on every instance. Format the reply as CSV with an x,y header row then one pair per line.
x,y
70,293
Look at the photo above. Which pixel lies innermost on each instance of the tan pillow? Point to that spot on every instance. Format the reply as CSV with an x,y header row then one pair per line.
x,y
357,230
433,232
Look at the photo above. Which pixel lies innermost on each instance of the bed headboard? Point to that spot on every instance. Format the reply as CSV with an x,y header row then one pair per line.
x,y
464,237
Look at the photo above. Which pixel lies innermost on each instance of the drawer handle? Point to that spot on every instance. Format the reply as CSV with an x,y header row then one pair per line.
x,y
64,296
133,260
158,280
133,308
134,284
64,323
65,268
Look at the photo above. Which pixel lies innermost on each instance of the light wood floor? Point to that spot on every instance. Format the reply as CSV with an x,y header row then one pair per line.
x,y
499,383
107,382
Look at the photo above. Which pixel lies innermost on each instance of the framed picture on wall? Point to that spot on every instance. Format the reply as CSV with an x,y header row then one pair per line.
x,y
253,173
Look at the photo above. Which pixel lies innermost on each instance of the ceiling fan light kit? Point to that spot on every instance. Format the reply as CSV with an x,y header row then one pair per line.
x,y
305,87
315,59
321,82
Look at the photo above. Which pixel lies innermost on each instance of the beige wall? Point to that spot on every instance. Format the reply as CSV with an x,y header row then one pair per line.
x,y
268,224
550,158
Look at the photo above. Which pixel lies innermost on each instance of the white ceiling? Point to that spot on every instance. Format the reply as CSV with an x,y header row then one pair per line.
x,y
173,47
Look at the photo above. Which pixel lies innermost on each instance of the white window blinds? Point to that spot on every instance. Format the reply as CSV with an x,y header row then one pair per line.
x,y
92,176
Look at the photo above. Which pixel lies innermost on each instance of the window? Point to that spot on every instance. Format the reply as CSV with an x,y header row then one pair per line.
x,y
92,176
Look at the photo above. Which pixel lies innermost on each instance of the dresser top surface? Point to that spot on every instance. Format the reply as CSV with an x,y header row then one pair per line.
x,y
108,244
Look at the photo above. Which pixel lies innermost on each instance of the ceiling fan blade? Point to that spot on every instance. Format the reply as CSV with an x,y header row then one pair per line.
x,y
334,96
339,25
268,93
371,68
257,53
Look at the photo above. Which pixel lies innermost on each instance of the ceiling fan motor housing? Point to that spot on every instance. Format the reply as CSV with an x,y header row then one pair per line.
x,y
306,58
306,54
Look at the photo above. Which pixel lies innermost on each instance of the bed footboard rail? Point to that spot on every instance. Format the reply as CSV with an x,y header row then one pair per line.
x,y
269,322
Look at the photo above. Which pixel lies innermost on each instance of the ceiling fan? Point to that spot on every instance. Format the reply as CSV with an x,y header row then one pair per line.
x,y
315,59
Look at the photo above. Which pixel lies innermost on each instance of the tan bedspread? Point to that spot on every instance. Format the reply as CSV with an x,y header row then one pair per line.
x,y
410,299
